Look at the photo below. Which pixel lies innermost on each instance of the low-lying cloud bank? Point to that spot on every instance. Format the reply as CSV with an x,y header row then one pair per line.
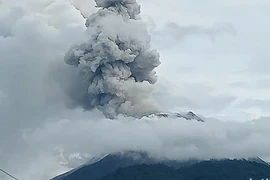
x,y
60,145
76,141
173,138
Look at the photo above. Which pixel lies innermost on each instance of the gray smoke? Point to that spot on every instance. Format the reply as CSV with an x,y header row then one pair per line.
x,y
115,64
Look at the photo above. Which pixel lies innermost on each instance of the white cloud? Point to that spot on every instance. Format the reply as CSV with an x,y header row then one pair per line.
x,y
208,77
29,46
170,138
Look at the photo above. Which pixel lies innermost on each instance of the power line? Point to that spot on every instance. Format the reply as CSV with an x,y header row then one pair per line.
x,y
8,174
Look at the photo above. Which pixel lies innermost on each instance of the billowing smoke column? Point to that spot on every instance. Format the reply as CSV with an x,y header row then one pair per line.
x,y
115,63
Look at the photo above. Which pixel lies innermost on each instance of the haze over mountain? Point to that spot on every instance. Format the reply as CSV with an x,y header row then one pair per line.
x,y
140,165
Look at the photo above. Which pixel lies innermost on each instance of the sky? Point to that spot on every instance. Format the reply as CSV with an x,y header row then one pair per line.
x,y
214,61
224,55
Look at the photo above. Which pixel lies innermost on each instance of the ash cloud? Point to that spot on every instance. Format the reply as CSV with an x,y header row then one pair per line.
x,y
115,65
33,42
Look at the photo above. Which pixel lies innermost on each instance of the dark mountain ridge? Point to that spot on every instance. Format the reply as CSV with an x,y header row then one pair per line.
x,y
205,170
112,162
109,166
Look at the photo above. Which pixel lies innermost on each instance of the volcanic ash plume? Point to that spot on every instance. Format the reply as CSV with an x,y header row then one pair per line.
x,y
115,63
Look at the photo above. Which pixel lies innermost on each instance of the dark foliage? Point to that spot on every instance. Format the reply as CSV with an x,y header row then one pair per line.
x,y
132,165
207,170
112,162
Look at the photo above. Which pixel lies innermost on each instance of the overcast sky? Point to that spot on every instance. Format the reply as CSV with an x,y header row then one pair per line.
x,y
214,62
216,48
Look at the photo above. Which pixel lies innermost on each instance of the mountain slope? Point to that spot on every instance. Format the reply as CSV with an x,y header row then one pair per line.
x,y
115,161
114,165
206,170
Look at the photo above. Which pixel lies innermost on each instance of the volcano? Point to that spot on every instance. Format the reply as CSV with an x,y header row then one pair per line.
x,y
187,116
132,164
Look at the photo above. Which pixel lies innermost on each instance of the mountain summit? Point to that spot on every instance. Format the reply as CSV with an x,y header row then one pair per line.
x,y
188,116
